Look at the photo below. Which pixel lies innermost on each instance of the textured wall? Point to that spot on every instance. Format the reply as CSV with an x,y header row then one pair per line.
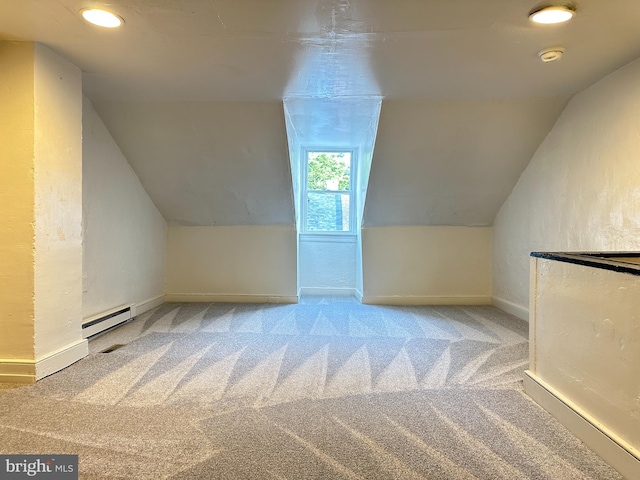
x,y
580,191
125,235
16,201
586,343
58,202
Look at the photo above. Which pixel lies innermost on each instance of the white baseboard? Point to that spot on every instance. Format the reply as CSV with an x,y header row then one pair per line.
x,y
604,443
328,292
64,357
229,298
426,300
147,305
512,308
359,295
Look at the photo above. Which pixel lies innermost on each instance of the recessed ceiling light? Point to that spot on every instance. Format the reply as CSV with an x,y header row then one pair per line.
x,y
549,15
553,54
102,18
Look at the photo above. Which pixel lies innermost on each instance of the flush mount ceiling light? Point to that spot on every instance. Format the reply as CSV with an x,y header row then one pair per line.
x,y
102,18
549,15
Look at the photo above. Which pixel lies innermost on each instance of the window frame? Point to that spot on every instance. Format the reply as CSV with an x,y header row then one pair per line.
x,y
351,192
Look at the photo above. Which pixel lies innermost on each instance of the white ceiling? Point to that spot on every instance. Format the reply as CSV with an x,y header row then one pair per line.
x,y
466,61
250,50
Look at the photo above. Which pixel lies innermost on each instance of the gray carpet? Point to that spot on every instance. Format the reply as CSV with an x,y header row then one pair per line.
x,y
326,389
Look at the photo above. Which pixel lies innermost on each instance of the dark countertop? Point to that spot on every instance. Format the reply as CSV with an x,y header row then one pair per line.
x,y
614,261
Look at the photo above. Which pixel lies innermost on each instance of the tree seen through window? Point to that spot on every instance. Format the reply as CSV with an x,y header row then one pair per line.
x,y
328,191
329,171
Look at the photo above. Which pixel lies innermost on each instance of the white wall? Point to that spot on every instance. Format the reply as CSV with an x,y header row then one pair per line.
x,y
427,265
585,350
125,235
58,206
334,123
365,160
241,263
359,267
295,149
580,191
327,266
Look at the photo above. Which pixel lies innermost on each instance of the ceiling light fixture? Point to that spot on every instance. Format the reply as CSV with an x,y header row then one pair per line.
x,y
549,15
549,55
102,18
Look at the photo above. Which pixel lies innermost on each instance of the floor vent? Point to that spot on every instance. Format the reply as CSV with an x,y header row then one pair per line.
x,y
112,348
107,320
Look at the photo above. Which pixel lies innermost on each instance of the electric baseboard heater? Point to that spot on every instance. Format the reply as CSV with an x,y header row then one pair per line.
x,y
102,322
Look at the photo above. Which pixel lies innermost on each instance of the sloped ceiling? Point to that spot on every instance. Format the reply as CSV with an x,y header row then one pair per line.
x,y
466,100
452,162
208,163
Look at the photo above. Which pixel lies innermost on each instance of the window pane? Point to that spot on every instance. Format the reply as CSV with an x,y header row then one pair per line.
x,y
328,212
328,170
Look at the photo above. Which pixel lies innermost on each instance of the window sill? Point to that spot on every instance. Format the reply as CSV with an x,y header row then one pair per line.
x,y
328,237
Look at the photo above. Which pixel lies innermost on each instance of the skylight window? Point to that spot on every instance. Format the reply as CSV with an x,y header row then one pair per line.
x,y
327,193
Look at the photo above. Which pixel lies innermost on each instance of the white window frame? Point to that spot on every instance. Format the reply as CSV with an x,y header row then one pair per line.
x,y
353,169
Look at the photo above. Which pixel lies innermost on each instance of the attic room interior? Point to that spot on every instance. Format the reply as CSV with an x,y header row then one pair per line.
x,y
333,239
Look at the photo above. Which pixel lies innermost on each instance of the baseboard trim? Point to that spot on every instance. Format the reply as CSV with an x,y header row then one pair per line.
x,y
359,295
56,361
147,305
229,298
28,371
17,371
604,443
426,300
328,292
512,308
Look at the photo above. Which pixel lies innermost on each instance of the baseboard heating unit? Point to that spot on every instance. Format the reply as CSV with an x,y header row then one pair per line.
x,y
102,322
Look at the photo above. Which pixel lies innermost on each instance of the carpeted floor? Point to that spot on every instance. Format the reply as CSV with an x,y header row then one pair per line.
x,y
326,389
